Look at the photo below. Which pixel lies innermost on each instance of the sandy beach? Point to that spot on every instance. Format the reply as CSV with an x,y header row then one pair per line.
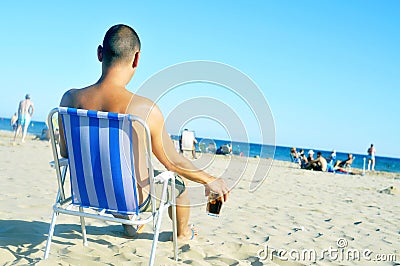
x,y
292,211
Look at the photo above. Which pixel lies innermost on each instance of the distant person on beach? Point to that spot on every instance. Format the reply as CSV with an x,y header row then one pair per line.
x,y
331,161
211,148
188,141
25,113
371,157
229,146
303,158
45,134
345,163
332,158
119,56
223,150
319,164
219,151
14,122
310,158
227,149
294,155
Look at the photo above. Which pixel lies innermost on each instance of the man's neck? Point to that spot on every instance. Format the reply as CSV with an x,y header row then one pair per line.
x,y
115,76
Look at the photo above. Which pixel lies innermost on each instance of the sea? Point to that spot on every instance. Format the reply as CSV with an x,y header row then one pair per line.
x,y
35,127
281,153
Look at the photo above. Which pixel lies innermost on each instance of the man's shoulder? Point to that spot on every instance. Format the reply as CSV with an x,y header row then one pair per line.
x,y
70,92
140,101
68,97
143,107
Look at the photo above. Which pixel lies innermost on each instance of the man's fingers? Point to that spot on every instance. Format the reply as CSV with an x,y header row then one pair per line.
x,y
206,191
222,197
225,197
219,187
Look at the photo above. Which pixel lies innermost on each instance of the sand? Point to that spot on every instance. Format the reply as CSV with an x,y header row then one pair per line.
x,y
292,212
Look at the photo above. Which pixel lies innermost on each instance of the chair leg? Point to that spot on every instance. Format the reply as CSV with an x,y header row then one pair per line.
x,y
156,235
51,232
174,224
83,228
160,213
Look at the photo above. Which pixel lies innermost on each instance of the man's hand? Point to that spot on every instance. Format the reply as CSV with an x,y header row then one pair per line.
x,y
219,186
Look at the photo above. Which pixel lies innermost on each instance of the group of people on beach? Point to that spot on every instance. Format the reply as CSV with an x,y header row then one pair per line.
x,y
329,164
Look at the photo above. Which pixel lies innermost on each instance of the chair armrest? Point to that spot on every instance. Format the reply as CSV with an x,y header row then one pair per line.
x,y
164,177
61,162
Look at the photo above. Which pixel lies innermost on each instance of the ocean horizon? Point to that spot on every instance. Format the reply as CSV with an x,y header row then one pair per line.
x,y
281,153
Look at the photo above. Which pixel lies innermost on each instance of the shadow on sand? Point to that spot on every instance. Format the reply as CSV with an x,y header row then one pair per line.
x,y
25,239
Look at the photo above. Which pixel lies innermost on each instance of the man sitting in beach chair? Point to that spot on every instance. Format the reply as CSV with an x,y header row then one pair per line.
x,y
119,56
346,163
344,167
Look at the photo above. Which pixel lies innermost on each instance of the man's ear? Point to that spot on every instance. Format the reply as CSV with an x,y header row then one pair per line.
x,y
136,60
100,53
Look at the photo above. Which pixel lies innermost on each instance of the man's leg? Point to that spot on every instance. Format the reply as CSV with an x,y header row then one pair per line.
x,y
182,216
24,132
369,164
17,131
129,230
373,164
26,125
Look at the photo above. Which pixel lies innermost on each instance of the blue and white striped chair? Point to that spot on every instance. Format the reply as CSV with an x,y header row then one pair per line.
x,y
102,178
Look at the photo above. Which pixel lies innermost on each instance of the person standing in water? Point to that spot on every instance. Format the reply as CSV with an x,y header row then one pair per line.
x,y
25,113
371,157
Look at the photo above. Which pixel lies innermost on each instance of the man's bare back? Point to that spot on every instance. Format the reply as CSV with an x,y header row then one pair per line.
x,y
117,100
26,107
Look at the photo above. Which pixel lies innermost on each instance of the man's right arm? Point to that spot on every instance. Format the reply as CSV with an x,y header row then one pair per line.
x,y
165,152
32,109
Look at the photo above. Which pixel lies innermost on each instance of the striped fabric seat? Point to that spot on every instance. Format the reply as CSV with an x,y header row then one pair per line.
x,y
102,176
100,156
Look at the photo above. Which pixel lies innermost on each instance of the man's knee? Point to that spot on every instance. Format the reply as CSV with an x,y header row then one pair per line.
x,y
183,199
183,195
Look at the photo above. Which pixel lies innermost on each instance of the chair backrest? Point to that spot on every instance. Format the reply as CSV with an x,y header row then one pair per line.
x,y
101,160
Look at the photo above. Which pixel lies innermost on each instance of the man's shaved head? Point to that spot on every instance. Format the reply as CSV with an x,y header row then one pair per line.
x,y
120,44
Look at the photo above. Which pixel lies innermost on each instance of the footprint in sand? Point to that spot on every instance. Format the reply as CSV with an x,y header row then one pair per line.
x,y
392,190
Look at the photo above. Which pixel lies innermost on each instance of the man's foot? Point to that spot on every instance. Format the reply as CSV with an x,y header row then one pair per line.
x,y
190,234
132,231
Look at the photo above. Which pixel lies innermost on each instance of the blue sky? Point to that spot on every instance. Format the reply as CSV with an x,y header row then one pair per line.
x,y
328,69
